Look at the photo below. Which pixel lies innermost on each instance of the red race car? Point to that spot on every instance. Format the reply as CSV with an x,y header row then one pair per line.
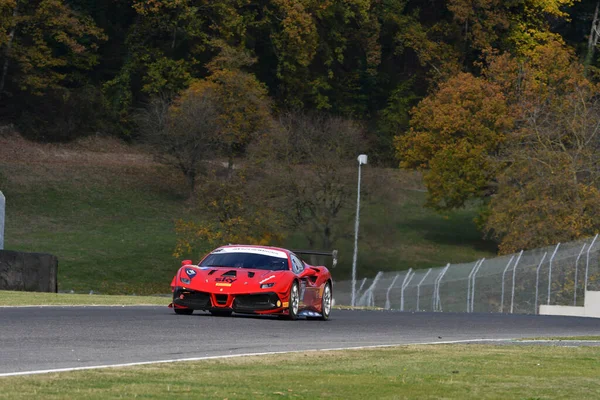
x,y
254,280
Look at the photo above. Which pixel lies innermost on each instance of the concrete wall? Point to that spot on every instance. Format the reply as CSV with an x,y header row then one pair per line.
x,y
592,304
32,272
571,311
590,308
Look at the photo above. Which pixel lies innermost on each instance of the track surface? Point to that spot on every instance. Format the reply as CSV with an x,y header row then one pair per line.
x,y
41,338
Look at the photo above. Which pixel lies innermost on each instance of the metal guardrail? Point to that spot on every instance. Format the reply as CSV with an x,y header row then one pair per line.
x,y
514,283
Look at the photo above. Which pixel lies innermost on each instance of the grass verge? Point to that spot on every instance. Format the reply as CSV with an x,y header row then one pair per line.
x,y
559,338
423,372
12,298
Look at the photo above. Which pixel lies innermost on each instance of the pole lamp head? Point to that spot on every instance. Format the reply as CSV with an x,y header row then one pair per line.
x,y
362,159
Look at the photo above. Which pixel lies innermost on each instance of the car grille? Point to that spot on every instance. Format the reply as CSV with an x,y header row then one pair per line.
x,y
255,302
193,300
221,299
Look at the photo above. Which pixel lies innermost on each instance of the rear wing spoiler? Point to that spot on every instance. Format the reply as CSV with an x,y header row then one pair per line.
x,y
333,254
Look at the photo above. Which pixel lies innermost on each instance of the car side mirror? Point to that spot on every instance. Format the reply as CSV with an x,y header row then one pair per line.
x,y
309,272
186,262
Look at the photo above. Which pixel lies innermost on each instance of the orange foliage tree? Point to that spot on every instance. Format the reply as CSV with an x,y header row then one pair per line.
x,y
455,134
523,137
550,190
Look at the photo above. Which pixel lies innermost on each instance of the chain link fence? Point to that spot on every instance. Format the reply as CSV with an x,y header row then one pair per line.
x,y
514,283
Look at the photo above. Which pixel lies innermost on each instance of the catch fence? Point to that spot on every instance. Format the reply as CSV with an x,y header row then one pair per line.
x,y
514,283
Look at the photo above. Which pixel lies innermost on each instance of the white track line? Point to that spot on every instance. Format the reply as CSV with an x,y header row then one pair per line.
x,y
48,371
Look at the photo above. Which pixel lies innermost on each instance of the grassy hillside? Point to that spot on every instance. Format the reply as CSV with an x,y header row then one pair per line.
x,y
107,211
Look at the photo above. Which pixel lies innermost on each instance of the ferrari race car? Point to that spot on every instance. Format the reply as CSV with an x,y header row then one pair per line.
x,y
254,280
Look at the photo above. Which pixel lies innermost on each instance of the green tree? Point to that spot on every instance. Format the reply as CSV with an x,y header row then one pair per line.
x,y
44,40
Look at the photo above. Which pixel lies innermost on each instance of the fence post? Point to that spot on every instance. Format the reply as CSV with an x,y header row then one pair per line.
x,y
512,295
419,288
473,284
503,275
587,263
469,285
537,281
362,284
407,278
576,270
387,295
369,299
550,273
438,300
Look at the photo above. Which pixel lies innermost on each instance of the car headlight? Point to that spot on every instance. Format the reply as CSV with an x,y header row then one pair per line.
x,y
185,280
267,285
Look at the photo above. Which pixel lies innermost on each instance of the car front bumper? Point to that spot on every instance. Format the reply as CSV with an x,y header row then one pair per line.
x,y
261,303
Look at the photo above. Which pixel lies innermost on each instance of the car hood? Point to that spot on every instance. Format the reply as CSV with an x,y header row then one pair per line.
x,y
234,278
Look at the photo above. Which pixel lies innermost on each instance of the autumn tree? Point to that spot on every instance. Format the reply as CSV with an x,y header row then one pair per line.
x,y
522,137
183,133
230,208
454,137
43,40
488,25
550,191
310,170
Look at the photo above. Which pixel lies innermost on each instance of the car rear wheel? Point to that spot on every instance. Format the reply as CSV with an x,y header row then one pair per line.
x,y
294,302
326,302
183,311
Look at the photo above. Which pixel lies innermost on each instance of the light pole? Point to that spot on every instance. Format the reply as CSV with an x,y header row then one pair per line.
x,y
362,159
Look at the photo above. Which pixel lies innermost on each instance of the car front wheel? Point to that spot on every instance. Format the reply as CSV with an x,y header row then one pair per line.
x,y
183,311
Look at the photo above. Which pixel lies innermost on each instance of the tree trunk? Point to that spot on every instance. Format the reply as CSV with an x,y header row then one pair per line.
x,y
593,39
191,178
8,47
230,166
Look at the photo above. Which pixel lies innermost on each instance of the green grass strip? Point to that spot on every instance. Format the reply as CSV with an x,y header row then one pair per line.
x,y
12,298
406,372
560,338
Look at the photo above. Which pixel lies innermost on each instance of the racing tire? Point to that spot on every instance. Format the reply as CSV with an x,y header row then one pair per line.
x,y
220,313
183,311
294,302
326,302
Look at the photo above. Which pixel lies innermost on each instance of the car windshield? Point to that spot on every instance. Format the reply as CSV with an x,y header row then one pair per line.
x,y
245,260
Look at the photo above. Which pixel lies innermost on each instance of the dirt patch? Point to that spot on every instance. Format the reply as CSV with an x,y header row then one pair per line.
x,y
97,151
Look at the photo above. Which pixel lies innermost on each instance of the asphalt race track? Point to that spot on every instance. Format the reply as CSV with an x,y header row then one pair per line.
x,y
46,338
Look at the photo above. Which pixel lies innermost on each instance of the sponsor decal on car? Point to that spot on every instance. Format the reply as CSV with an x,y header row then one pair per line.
x,y
223,284
191,273
252,250
225,279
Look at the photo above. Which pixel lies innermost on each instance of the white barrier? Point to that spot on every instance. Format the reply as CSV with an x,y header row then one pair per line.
x,y
590,308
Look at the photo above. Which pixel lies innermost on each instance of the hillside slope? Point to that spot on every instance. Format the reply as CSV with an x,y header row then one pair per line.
x,y
107,210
